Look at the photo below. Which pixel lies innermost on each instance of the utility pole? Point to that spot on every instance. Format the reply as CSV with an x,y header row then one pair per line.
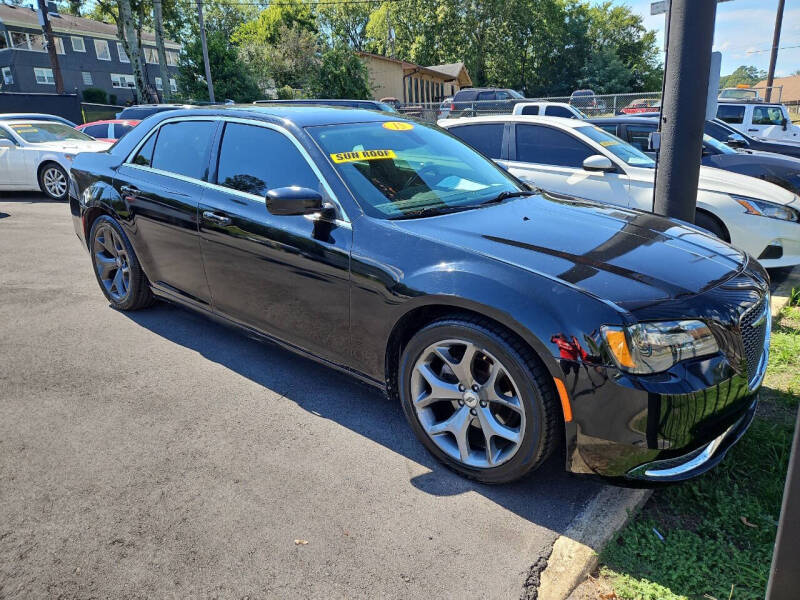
x,y
773,57
205,50
683,106
44,21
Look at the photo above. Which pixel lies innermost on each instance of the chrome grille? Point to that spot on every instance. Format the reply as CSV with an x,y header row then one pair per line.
x,y
754,327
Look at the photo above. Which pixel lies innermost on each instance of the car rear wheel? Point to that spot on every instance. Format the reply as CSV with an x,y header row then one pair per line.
x,y
53,181
478,399
116,266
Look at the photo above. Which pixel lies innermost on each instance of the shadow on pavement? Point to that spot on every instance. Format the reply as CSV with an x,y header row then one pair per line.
x,y
549,498
28,198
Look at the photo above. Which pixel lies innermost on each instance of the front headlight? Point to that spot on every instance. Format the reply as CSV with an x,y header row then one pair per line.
x,y
655,347
767,209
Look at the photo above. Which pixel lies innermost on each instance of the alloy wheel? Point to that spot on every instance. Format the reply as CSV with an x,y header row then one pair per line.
x,y
112,262
54,182
468,403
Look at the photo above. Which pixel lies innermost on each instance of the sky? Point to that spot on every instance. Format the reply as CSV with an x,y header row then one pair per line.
x,y
743,32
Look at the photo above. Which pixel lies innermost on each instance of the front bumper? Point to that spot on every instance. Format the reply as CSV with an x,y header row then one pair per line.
x,y
677,424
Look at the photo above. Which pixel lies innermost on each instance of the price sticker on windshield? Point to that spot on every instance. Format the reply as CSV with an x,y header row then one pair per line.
x,y
359,155
397,126
607,143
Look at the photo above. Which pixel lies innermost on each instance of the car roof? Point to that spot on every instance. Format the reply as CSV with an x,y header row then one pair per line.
x,y
299,115
506,118
315,100
107,121
23,121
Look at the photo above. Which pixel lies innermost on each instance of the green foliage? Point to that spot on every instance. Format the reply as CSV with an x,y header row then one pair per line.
x,y
794,296
96,95
273,21
292,62
748,75
341,74
231,76
285,93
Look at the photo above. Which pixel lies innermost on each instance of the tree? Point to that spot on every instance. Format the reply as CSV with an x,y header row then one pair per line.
x,y
605,73
267,27
292,62
341,74
346,24
158,21
232,77
748,75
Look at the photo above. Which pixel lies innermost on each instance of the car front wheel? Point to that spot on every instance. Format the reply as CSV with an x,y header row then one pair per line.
x,y
478,399
53,181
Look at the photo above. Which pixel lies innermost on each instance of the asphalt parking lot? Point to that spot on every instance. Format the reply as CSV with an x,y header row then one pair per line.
x,y
158,454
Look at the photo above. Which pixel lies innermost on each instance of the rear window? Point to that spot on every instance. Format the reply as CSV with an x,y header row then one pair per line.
x,y
464,95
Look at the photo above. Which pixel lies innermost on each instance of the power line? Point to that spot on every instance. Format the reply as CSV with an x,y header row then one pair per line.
x,y
770,49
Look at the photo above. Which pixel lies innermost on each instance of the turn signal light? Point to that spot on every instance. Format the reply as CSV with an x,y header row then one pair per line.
x,y
619,347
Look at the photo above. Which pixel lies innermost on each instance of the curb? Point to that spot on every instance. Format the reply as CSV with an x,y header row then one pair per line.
x,y
781,293
575,552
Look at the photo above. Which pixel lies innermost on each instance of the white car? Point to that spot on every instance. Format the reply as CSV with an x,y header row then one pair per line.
x,y
548,109
36,155
574,157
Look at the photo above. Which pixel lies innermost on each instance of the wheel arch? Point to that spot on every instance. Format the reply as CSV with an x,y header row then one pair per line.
x,y
420,316
708,213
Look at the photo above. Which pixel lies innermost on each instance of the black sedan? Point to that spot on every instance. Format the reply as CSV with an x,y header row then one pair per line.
x,y
506,321
775,168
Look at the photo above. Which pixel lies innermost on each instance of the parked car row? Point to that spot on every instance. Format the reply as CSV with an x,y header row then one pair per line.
x,y
507,320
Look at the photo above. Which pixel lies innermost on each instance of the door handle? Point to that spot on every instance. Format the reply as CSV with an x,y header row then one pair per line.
x,y
216,218
752,130
129,189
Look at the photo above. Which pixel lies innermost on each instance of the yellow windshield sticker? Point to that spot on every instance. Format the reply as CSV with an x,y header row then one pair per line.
x,y
356,155
397,126
607,143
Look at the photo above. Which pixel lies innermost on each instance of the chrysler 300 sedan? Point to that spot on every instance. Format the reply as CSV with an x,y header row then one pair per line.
x,y
507,322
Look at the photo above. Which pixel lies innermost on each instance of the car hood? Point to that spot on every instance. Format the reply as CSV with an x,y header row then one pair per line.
x,y
770,158
74,147
728,182
613,254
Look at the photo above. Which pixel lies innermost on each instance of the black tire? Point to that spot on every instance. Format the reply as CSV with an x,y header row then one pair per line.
x,y
711,224
542,413
52,177
137,292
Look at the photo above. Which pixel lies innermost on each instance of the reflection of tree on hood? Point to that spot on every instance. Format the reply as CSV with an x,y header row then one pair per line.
x,y
246,183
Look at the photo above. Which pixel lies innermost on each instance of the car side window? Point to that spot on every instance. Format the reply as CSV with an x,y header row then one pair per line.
x,y
120,130
549,146
486,138
256,159
610,128
182,148
486,96
558,111
530,110
731,113
503,96
144,156
767,115
96,131
639,136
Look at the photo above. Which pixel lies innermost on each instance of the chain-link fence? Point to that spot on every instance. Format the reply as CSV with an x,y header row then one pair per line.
x,y
591,105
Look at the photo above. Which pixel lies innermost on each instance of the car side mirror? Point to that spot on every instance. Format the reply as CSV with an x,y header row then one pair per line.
x,y
7,144
785,124
735,141
598,162
294,200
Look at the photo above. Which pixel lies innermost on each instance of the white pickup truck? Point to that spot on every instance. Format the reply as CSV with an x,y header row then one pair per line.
x,y
760,120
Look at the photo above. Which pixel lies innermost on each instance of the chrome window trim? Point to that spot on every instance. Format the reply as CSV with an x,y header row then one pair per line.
x,y
345,220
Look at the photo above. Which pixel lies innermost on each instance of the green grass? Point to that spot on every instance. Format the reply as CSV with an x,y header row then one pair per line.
x,y
718,530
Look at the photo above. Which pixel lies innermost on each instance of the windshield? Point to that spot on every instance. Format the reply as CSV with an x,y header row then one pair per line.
x,y
515,94
717,145
619,148
41,133
397,168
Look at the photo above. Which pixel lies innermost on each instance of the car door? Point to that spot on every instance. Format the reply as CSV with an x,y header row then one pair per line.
x,y
552,159
287,276
162,184
14,167
485,103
